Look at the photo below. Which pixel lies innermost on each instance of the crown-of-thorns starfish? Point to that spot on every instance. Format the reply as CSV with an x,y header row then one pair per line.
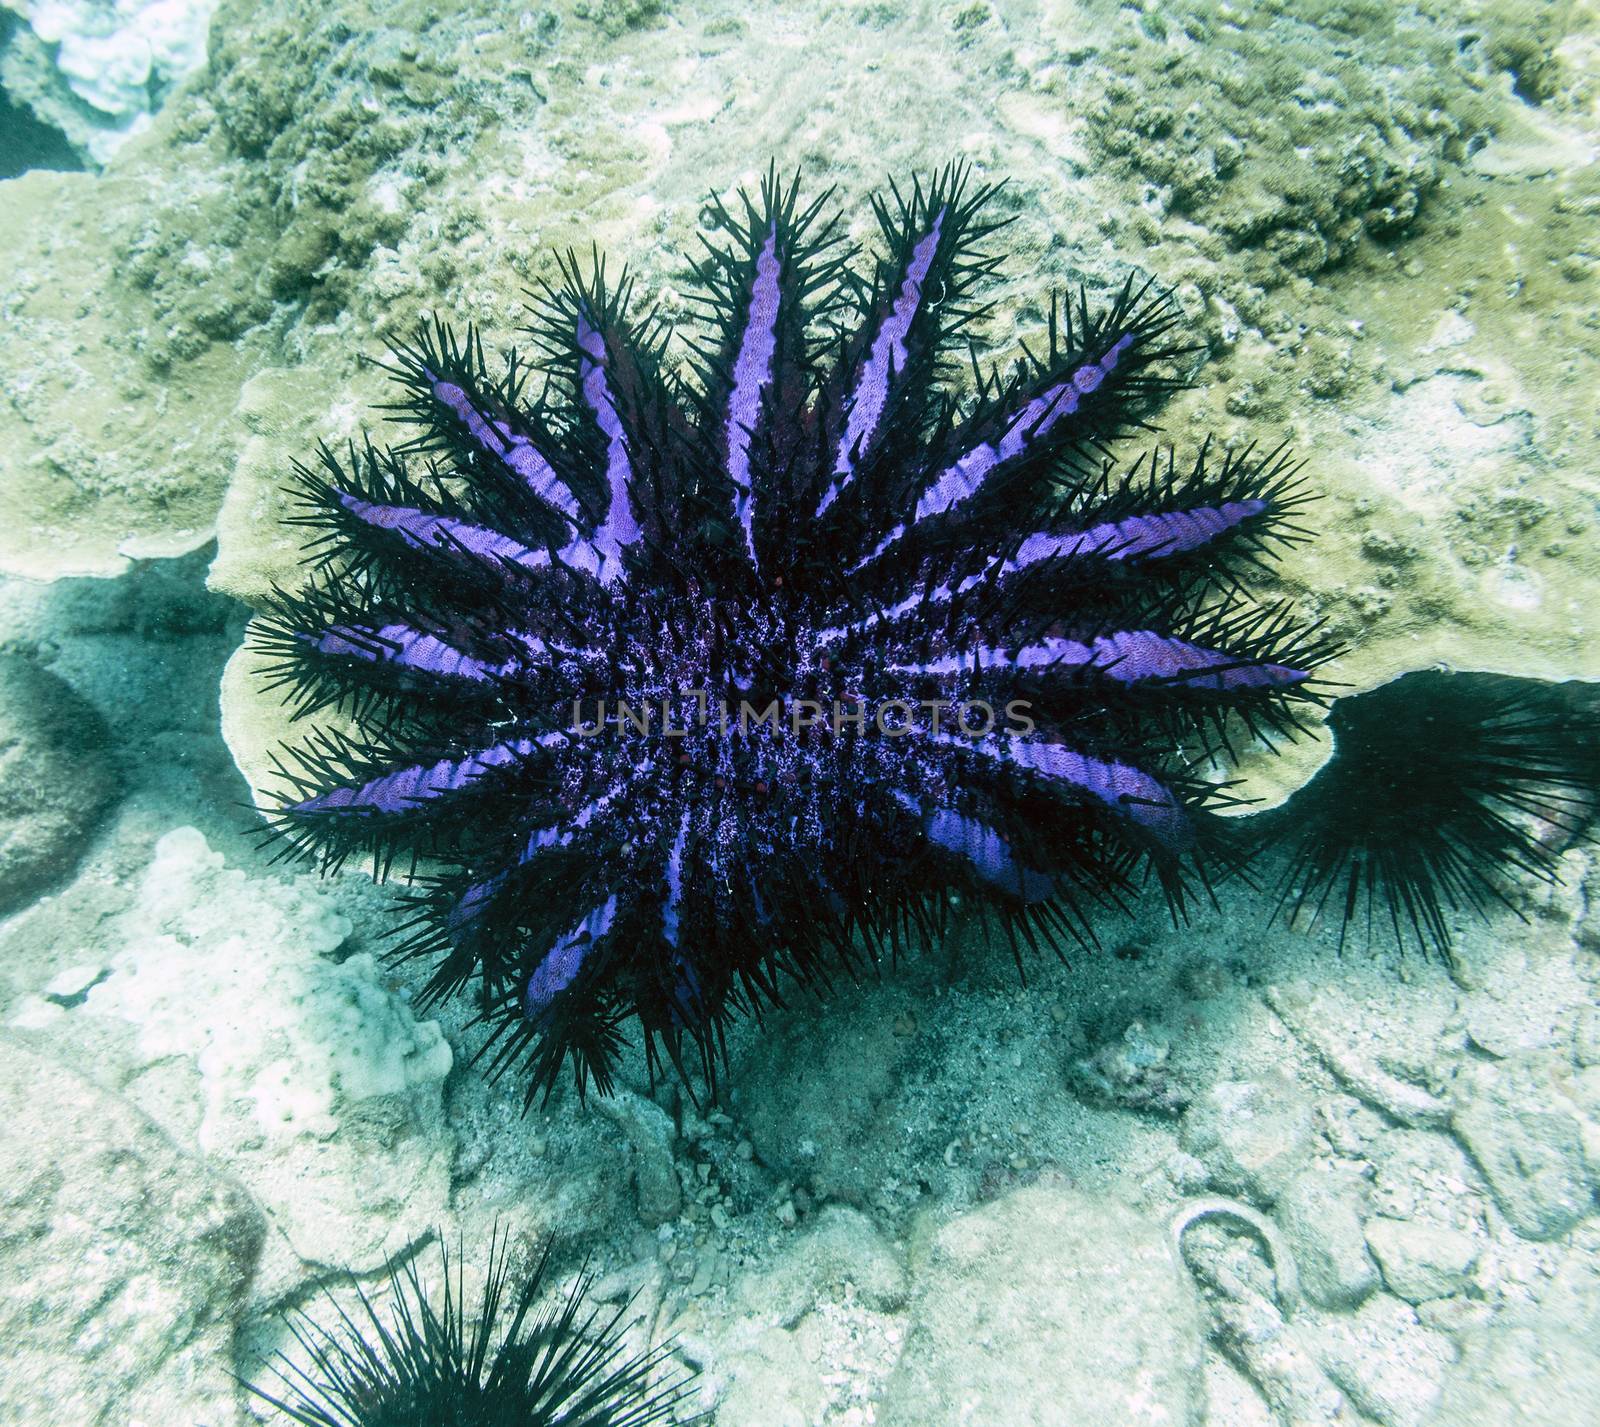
x,y
708,680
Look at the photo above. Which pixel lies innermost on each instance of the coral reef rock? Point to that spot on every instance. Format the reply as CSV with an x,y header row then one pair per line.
x,y
305,1076
97,69
1050,1305
1320,1216
56,779
1534,1365
115,412
1422,1261
1527,1136
124,1259
1253,1136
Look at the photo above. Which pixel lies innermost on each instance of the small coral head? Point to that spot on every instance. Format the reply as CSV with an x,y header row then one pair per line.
x,y
711,678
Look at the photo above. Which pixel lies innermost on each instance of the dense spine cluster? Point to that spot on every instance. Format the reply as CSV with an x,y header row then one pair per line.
x,y
703,680
434,1358
1442,790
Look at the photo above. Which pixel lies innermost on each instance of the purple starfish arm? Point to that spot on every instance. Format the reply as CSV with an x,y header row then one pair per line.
x,y
562,963
980,845
620,528
835,634
978,657
592,558
473,903
1128,656
512,448
886,359
1144,801
1028,427
561,834
442,532
1136,655
988,852
669,908
599,557
409,648
752,374
406,788
537,647
1036,420
477,897
1169,532
1150,537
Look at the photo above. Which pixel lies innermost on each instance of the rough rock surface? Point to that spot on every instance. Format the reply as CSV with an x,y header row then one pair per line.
x,y
1527,1137
826,1116
649,1132
776,1386
1049,1306
1391,1365
1524,1370
1320,1215
1534,1364
115,418
96,69
221,1011
123,1262
56,777
1253,1136
1422,1260
1427,1177
840,1249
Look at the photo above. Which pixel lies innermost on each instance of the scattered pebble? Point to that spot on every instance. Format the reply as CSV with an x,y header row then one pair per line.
x,y
1421,1260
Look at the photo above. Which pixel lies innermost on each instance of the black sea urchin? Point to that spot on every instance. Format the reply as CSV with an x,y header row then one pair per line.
x,y
1441,785
702,681
507,1363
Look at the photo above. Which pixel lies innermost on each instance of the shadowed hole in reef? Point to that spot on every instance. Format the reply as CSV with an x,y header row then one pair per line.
x,y
27,143
146,650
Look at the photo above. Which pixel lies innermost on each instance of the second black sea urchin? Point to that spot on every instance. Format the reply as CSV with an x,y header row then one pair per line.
x,y
439,1359
704,679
